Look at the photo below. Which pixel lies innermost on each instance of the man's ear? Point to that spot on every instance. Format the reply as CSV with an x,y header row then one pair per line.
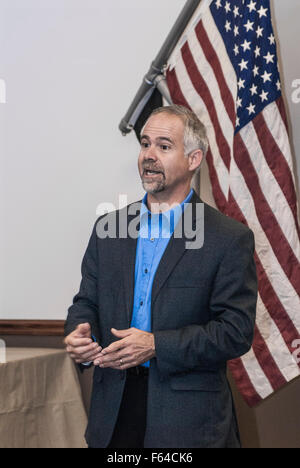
x,y
195,159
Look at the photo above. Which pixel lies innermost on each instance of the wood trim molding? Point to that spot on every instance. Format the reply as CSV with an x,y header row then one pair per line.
x,y
32,327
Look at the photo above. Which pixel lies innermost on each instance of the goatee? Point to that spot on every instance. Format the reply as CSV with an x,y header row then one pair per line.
x,y
153,187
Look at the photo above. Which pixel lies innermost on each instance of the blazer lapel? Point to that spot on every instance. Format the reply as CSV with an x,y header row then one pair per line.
x,y
128,250
175,250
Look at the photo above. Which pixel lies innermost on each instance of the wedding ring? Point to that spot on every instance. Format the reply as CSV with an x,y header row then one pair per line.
x,y
121,362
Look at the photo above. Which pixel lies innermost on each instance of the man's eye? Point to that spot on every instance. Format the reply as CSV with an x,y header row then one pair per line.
x,y
165,147
145,145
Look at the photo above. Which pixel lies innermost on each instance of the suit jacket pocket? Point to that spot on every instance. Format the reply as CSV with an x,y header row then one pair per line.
x,y
204,381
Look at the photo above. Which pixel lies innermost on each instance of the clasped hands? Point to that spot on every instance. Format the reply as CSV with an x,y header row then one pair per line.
x,y
134,347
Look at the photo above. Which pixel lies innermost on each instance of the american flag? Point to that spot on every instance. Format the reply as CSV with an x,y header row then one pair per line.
x,y
226,71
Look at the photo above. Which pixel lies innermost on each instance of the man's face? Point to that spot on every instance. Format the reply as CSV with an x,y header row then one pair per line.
x,y
162,163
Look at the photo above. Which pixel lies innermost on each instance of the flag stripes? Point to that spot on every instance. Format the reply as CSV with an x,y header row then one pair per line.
x,y
265,214
203,90
275,157
213,59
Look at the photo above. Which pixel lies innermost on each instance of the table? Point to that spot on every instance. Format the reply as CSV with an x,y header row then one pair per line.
x,y
40,400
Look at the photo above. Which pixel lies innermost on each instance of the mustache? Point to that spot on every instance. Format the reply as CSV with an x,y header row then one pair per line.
x,y
149,167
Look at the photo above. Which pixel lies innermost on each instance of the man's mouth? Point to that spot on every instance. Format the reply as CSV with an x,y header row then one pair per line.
x,y
151,173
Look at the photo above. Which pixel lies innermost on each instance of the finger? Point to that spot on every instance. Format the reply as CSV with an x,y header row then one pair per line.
x,y
84,329
84,350
112,361
116,365
91,356
115,346
75,342
116,360
88,350
121,333
87,357
112,358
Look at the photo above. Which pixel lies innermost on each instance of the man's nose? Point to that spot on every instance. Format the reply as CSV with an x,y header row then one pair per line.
x,y
151,154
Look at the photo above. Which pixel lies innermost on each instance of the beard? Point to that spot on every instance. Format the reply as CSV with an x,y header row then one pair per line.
x,y
153,184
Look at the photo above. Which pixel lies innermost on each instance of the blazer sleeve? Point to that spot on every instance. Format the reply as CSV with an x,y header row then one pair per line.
x,y
229,333
85,304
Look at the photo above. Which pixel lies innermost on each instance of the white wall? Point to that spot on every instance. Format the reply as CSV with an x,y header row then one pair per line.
x,y
71,69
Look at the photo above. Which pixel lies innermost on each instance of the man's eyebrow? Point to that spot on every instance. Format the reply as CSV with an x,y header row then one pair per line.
x,y
145,137
161,138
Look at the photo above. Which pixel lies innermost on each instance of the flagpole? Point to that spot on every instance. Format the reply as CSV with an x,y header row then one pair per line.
x,y
154,77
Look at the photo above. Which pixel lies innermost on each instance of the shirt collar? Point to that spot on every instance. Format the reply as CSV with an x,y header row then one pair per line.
x,y
163,224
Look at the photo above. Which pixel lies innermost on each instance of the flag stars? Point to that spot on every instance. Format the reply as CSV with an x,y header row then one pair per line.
x,y
272,39
236,31
269,58
249,25
259,31
262,11
256,70
243,64
236,50
266,76
228,26
236,11
251,108
257,52
253,90
263,96
246,45
246,29
252,6
227,7
241,83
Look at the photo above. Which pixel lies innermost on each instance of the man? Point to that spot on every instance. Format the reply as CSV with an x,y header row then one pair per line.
x,y
167,314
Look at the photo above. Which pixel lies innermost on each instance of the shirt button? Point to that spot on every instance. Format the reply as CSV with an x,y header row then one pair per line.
x,y
146,270
141,303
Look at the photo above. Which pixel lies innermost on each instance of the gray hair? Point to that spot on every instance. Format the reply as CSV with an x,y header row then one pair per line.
x,y
195,136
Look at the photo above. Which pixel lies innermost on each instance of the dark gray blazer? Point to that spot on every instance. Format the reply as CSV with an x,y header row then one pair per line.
x,y
203,314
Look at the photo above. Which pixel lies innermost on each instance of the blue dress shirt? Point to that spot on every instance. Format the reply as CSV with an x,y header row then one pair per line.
x,y
154,236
